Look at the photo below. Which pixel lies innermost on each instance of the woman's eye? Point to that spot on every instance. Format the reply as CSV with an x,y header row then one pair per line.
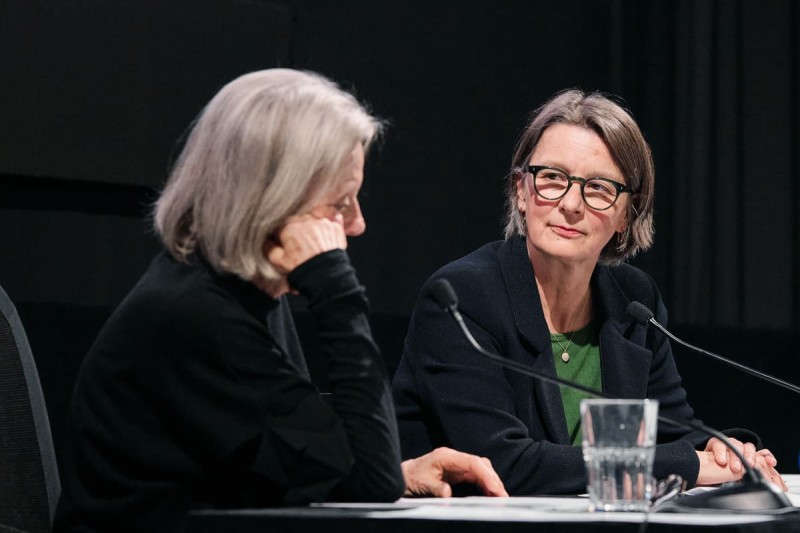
x,y
599,186
341,206
553,176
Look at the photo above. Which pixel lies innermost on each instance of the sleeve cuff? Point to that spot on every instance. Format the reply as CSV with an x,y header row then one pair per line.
x,y
323,274
677,457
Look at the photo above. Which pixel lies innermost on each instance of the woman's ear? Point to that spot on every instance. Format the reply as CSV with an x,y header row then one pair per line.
x,y
521,201
622,225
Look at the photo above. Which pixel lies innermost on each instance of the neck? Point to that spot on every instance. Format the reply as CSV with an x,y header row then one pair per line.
x,y
564,289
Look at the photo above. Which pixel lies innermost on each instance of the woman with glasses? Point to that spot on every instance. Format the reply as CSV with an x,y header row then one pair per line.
x,y
553,295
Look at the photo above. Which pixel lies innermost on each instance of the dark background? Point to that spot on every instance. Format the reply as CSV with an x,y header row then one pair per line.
x,y
95,95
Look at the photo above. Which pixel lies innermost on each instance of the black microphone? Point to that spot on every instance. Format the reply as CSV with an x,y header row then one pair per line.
x,y
752,495
443,294
644,316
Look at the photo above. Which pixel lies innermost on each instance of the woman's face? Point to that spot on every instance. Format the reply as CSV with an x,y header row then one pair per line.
x,y
343,196
567,229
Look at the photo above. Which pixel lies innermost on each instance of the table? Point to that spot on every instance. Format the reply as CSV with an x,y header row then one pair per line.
x,y
468,515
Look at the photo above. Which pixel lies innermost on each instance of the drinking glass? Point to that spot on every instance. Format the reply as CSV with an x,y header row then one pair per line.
x,y
618,447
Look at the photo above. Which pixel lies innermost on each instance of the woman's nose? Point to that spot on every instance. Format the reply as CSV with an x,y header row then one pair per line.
x,y
354,223
573,200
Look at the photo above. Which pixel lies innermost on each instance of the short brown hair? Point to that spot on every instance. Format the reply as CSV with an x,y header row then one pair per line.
x,y
628,148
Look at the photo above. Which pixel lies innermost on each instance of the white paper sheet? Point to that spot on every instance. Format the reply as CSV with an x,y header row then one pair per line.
x,y
548,509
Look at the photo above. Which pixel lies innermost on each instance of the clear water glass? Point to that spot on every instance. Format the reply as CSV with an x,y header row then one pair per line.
x,y
618,448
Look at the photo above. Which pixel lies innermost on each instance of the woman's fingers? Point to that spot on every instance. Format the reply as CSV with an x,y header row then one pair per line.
x,y
303,237
749,453
712,473
719,449
768,457
762,465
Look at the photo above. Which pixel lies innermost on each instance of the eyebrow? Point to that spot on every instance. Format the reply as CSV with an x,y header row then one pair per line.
x,y
607,175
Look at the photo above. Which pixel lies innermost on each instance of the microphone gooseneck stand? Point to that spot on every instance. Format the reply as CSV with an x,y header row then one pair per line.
x,y
644,316
752,494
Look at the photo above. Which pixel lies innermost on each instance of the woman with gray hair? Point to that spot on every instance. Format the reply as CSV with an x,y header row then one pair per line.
x,y
196,393
554,295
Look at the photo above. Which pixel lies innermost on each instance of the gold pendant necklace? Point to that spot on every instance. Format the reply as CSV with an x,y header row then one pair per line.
x,y
565,351
565,354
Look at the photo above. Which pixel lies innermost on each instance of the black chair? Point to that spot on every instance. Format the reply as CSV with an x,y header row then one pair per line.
x,y
29,483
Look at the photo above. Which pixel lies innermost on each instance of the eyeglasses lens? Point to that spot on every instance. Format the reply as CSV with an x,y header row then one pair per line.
x,y
552,184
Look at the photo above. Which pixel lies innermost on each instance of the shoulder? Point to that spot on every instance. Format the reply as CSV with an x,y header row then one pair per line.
x,y
176,299
475,272
627,283
629,276
473,265
480,284
170,287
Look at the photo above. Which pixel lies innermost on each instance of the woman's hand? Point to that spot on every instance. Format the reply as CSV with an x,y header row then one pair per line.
x,y
303,237
719,465
432,474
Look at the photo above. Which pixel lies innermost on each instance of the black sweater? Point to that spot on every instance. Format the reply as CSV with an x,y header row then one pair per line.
x,y
195,395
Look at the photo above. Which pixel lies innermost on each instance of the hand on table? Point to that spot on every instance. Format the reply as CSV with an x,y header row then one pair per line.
x,y
719,465
433,473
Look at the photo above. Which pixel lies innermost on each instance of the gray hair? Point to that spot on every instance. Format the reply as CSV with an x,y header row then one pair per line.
x,y
267,146
628,148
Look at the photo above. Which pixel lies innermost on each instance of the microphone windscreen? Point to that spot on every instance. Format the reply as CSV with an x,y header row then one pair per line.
x,y
443,294
640,313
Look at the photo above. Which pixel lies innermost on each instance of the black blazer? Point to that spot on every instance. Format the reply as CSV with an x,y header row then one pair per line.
x,y
446,394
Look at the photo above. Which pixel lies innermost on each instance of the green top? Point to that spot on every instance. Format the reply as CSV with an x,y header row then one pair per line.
x,y
582,367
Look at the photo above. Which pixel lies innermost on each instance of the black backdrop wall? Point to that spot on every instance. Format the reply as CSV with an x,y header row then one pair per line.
x,y
95,95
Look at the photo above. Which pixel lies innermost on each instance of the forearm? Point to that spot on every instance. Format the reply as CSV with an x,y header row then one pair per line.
x,y
545,468
356,374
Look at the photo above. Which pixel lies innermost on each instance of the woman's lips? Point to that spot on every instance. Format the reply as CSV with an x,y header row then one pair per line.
x,y
566,231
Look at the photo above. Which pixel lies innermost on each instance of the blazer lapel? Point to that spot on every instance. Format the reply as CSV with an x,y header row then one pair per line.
x,y
532,327
624,361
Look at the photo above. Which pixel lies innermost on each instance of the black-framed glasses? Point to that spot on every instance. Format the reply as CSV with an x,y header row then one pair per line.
x,y
553,183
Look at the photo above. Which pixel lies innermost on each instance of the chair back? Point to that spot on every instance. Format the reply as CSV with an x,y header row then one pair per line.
x,y
29,483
